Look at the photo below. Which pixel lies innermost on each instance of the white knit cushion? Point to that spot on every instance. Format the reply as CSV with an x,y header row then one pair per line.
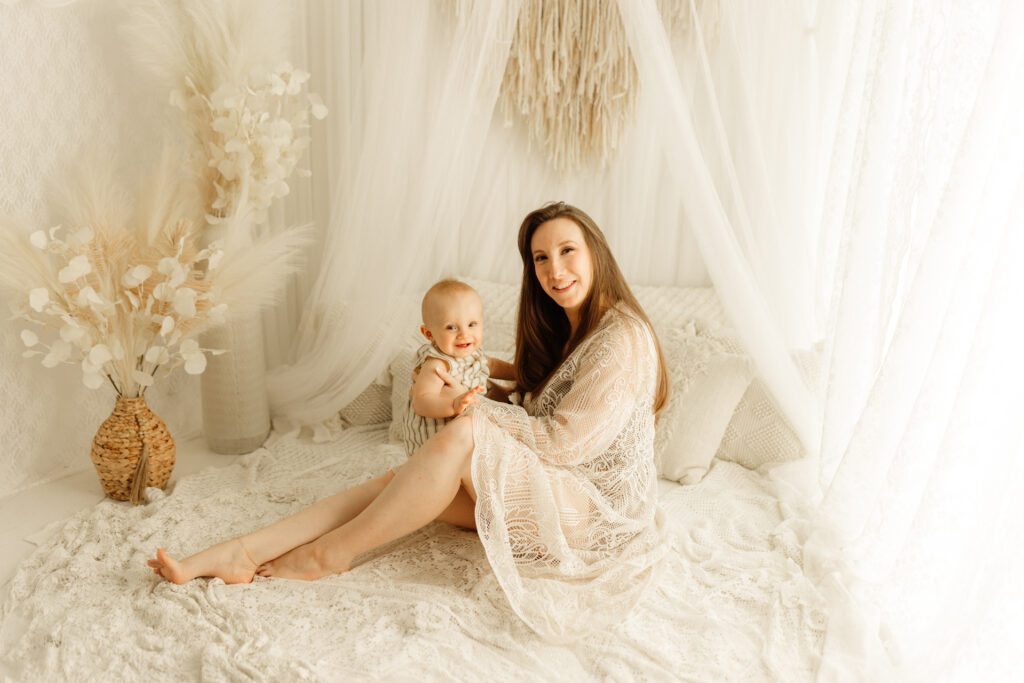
x,y
670,308
371,407
401,381
500,301
707,383
758,433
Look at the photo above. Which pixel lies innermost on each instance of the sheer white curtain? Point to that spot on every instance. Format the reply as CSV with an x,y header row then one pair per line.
x,y
922,431
737,183
897,190
913,232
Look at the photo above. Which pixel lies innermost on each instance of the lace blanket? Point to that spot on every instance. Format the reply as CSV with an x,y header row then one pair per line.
x,y
733,603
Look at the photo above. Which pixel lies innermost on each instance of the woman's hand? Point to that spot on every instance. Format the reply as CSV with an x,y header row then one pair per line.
x,y
465,400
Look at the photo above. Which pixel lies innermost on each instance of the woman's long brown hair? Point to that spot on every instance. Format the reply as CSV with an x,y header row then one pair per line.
x,y
542,329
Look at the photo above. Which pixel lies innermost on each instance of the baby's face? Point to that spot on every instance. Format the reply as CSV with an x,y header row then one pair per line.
x,y
455,323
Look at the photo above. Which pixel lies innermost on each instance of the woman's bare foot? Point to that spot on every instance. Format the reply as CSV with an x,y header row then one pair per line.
x,y
227,561
305,563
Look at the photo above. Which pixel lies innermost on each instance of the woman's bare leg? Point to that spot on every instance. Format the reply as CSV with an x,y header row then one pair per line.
x,y
236,560
422,490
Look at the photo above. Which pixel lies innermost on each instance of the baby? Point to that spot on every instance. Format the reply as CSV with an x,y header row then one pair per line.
x,y
453,324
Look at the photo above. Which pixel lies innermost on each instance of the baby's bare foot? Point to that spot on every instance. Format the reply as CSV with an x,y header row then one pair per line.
x,y
305,563
227,561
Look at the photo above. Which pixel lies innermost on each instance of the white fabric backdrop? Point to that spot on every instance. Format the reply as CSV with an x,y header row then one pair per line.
x,y
921,445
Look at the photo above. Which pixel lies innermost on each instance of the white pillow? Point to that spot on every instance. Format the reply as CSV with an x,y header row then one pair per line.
x,y
500,301
707,381
371,407
671,308
758,433
401,380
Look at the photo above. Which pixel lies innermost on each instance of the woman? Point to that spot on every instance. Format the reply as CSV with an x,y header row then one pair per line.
x,y
561,491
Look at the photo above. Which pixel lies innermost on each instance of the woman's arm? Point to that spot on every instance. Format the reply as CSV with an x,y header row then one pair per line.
x,y
614,373
500,369
432,397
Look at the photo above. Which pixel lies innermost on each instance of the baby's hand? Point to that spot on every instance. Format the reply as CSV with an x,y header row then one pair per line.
x,y
463,401
448,380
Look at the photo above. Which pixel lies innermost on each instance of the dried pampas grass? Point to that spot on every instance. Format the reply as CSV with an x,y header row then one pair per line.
x,y
223,63
570,75
128,286
208,42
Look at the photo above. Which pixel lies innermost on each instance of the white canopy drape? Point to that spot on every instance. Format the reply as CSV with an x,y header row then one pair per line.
x,y
849,179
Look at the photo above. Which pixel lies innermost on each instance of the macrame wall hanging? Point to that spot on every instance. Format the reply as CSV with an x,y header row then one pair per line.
x,y
572,78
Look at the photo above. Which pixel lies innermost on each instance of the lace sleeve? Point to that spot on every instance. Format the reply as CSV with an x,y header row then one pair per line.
x,y
607,380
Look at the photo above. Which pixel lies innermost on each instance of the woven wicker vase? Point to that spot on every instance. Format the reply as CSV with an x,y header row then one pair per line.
x,y
132,450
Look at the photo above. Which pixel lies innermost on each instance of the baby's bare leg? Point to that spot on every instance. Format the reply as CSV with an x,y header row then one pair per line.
x,y
423,490
235,561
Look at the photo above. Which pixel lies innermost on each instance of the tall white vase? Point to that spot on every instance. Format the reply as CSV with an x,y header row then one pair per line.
x,y
236,412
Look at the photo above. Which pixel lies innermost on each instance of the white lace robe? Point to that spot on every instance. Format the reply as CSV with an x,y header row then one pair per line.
x,y
567,489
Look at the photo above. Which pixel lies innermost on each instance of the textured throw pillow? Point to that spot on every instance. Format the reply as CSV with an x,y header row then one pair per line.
x,y
758,433
401,380
500,301
708,381
671,308
371,407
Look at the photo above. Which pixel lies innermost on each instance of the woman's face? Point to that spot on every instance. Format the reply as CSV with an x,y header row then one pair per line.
x,y
562,262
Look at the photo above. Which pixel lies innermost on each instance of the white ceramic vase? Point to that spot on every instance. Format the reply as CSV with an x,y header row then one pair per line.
x,y
236,412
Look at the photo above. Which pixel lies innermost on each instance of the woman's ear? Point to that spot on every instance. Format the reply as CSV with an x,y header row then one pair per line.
x,y
426,333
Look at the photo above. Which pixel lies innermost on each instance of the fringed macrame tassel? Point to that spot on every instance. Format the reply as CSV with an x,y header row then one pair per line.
x,y
570,75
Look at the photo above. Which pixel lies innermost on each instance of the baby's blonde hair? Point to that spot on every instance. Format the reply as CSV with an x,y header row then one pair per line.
x,y
440,288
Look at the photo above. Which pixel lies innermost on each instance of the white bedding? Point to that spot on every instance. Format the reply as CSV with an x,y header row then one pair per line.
x,y
732,603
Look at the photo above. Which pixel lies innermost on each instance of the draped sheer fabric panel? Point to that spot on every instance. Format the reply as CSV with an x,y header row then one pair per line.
x,y
922,428
734,219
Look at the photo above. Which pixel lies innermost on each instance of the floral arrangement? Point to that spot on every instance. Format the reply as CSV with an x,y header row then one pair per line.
x,y
247,117
126,295
250,137
122,321
126,303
